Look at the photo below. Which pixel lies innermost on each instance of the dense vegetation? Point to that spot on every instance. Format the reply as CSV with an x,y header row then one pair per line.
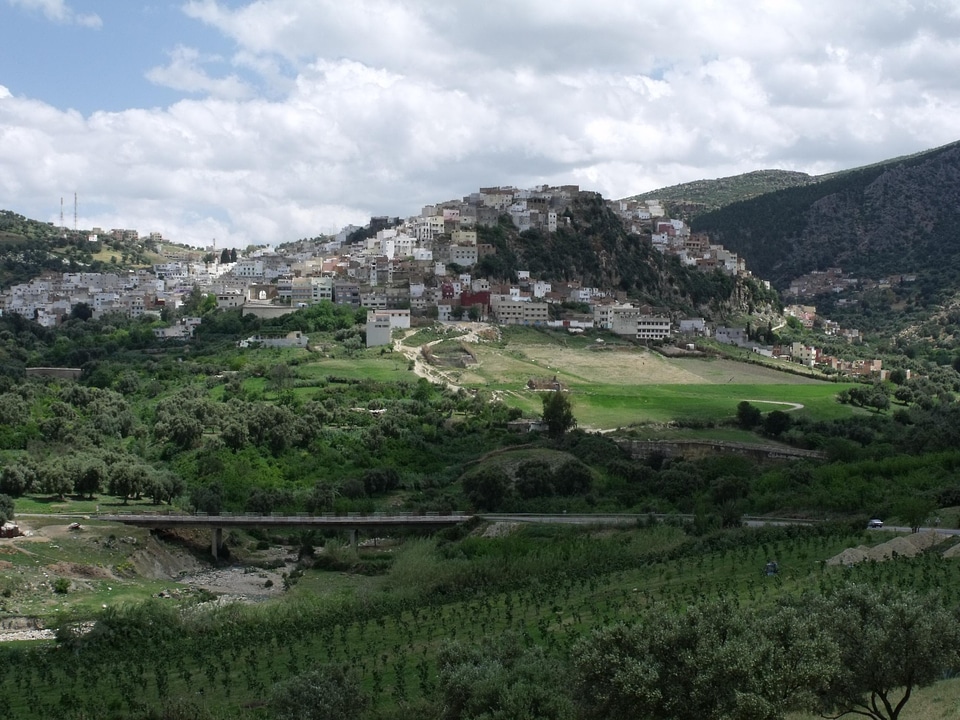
x,y
546,623
270,430
29,248
207,426
894,217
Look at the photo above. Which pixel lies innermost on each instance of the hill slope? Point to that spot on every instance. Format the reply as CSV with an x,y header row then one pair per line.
x,y
895,217
593,247
700,196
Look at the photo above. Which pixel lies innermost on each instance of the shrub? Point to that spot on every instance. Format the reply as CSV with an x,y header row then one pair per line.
x,y
6,508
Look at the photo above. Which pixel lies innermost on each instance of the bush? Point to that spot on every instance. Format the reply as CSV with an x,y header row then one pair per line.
x,y
61,585
6,508
329,692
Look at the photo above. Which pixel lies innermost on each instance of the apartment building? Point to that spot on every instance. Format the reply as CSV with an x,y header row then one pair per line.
x,y
633,322
521,312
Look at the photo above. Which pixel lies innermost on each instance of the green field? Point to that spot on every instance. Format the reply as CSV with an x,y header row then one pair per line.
x,y
616,384
605,406
389,367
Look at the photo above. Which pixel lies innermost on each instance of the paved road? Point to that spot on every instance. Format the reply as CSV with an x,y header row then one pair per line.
x,y
374,521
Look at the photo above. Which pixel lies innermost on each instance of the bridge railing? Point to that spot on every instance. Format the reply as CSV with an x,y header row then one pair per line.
x,y
277,516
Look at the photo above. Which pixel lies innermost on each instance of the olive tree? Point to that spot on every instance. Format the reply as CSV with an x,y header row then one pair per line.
x,y
502,678
558,413
328,692
748,415
16,479
889,641
488,488
712,661
6,508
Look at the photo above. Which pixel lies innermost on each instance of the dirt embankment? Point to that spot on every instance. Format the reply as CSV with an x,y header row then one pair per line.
x,y
119,563
900,546
160,560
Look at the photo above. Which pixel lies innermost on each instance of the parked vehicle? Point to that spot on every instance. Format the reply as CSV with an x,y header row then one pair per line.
x,y
875,523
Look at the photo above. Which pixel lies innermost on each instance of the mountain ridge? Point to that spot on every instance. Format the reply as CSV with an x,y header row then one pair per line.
x,y
696,197
899,216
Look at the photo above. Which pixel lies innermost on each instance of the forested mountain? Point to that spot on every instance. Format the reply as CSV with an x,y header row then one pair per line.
x,y
901,216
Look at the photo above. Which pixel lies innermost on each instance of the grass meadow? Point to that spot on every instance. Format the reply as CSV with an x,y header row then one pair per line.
x,y
619,384
605,406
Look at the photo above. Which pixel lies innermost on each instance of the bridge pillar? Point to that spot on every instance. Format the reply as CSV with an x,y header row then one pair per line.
x,y
216,540
353,540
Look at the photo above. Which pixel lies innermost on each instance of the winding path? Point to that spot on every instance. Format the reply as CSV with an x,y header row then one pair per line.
x,y
792,406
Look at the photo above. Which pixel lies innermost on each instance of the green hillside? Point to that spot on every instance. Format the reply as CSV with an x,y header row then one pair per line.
x,y
695,198
592,247
496,615
895,217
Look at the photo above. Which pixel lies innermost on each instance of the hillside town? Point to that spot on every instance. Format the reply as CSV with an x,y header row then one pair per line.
x,y
834,280
424,266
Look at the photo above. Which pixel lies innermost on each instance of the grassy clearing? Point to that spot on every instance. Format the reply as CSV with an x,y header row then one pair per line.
x,y
93,564
75,505
658,431
433,333
617,405
510,459
615,384
386,368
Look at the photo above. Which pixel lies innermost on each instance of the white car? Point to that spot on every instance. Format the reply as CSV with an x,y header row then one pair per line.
x,y
875,523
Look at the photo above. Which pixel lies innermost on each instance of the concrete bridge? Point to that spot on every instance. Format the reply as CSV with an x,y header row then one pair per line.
x,y
352,522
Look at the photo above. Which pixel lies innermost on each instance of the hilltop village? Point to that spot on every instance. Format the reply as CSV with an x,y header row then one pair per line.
x,y
429,266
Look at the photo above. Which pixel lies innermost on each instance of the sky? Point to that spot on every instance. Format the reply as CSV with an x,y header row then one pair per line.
x,y
257,123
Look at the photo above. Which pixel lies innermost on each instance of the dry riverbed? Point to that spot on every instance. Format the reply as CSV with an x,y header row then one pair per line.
x,y
54,567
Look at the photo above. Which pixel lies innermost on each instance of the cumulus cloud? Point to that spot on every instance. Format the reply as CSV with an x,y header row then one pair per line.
x,y
329,112
185,72
59,12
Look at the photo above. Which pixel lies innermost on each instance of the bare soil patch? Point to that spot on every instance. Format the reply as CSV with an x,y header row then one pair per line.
x,y
900,546
612,366
163,561
631,366
81,572
237,584
500,529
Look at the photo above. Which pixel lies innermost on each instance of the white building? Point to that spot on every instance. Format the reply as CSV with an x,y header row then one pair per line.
x,y
399,319
379,328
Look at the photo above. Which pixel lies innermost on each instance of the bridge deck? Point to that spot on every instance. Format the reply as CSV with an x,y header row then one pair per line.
x,y
162,520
